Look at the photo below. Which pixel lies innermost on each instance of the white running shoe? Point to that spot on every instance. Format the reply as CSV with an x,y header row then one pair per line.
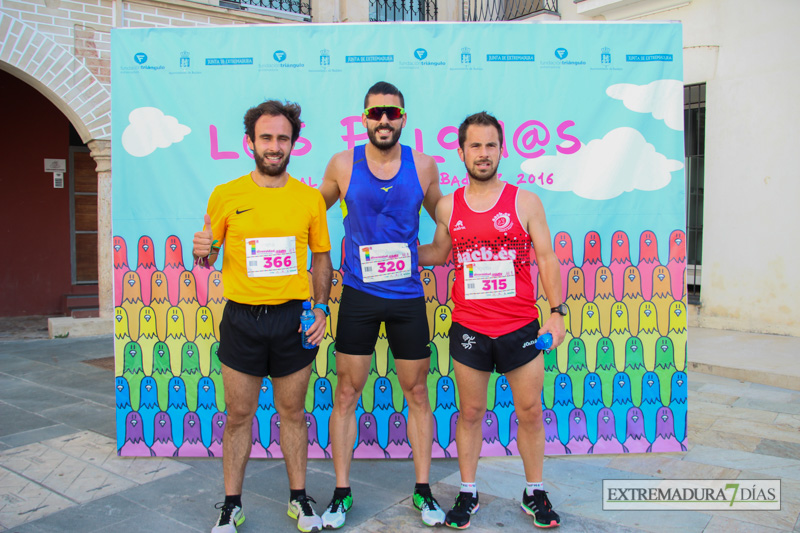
x,y
230,516
432,514
301,510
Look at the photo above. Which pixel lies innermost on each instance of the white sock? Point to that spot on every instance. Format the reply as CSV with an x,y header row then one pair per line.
x,y
539,485
469,487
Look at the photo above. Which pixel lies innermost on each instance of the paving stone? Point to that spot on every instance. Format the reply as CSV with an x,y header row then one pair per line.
x,y
699,421
17,420
791,407
188,497
86,386
712,397
70,477
788,421
105,512
720,439
668,467
21,367
152,522
101,451
777,448
87,415
783,520
656,521
737,459
22,500
593,460
726,524
757,429
35,398
742,389
37,435
717,411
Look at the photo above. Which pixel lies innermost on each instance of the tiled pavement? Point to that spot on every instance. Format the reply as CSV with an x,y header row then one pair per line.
x,y
59,471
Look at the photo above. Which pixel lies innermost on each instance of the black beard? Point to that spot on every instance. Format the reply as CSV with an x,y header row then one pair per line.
x,y
481,178
384,145
267,170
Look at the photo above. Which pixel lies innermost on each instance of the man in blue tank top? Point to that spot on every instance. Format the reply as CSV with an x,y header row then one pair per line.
x,y
382,186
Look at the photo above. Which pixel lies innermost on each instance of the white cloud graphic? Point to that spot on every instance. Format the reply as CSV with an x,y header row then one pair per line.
x,y
661,98
149,129
622,161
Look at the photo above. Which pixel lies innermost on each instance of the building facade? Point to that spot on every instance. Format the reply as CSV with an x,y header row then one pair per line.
x,y
740,65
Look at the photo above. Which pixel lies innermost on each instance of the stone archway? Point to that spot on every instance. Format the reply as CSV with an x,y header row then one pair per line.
x,y
64,79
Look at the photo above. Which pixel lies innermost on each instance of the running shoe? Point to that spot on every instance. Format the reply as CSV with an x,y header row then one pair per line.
x,y
538,506
466,505
230,516
301,510
334,515
432,514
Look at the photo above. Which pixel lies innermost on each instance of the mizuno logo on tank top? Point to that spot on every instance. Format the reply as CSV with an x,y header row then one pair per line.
x,y
381,228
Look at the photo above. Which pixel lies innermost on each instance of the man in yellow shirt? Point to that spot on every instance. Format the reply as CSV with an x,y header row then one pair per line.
x,y
266,221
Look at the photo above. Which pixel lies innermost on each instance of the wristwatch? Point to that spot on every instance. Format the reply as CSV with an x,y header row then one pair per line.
x,y
562,309
324,309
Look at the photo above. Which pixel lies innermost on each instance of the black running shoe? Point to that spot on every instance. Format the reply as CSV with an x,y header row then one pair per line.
x,y
538,506
465,506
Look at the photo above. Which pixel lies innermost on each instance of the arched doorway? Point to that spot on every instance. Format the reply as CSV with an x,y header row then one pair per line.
x,y
49,225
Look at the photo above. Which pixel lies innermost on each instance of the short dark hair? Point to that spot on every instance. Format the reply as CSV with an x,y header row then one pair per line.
x,y
273,108
478,119
384,87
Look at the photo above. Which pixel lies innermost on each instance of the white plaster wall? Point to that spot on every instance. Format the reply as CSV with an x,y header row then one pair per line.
x,y
747,53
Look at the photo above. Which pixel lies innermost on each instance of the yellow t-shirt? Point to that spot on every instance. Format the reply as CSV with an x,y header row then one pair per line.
x,y
253,223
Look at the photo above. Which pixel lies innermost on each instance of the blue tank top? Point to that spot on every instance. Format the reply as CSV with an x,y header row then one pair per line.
x,y
382,211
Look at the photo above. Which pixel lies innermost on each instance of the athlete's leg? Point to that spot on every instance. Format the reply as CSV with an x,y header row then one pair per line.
x,y
351,373
241,398
526,386
472,385
290,395
413,378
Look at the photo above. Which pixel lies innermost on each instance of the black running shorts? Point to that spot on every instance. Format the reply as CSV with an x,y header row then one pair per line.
x,y
502,354
262,340
360,317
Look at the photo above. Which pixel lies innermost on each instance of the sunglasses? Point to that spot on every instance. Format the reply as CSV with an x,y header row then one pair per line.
x,y
392,112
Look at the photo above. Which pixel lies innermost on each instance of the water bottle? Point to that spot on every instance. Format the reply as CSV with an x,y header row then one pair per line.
x,y
544,342
306,319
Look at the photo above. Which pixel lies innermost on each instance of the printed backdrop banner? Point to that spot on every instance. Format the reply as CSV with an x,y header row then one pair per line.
x,y
593,122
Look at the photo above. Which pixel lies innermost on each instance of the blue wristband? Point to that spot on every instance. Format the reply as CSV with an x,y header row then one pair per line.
x,y
324,309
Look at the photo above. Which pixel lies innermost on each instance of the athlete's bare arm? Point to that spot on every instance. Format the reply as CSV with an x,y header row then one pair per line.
x,y
337,177
532,213
436,253
428,173
321,275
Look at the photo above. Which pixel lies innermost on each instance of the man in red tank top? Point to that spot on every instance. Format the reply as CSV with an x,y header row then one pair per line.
x,y
490,226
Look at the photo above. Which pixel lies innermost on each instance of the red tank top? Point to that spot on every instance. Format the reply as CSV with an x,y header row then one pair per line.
x,y
494,235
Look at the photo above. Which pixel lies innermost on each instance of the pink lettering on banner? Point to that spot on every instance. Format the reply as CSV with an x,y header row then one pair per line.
x,y
351,137
215,153
442,138
308,181
418,146
576,143
528,135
